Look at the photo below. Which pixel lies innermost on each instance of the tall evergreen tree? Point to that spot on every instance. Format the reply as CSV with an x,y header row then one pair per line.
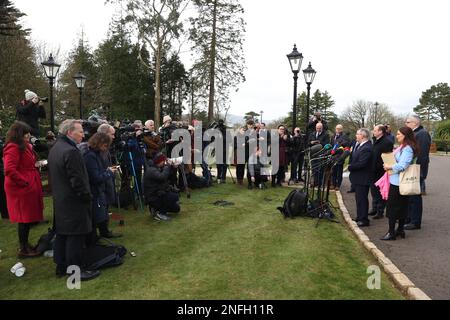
x,y
126,89
174,86
9,20
81,59
217,34
157,23
18,64
435,103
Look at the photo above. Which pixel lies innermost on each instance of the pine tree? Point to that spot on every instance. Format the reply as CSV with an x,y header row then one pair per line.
x,y
217,34
126,89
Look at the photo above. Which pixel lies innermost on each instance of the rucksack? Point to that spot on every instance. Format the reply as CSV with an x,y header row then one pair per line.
x,y
46,241
100,256
294,205
196,182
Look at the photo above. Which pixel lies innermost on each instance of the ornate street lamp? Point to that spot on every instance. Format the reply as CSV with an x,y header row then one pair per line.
x,y
309,74
51,69
80,81
295,60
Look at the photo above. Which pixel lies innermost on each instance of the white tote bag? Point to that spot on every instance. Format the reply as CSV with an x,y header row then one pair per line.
x,y
410,181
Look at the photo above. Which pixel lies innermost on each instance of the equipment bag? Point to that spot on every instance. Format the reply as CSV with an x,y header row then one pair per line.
x,y
294,205
196,182
46,241
100,256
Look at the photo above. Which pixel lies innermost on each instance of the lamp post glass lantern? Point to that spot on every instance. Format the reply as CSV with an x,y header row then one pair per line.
x,y
295,60
309,74
80,81
51,69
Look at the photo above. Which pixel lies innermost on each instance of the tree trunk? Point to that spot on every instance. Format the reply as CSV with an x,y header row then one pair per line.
x,y
212,73
158,89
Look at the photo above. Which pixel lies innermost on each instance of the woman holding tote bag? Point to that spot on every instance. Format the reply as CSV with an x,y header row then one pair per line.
x,y
397,204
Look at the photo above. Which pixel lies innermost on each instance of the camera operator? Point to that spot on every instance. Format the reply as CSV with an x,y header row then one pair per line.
x,y
151,139
30,110
166,134
315,119
297,155
159,194
168,144
137,149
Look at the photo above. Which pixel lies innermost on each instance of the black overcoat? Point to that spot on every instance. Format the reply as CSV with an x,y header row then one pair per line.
x,y
70,188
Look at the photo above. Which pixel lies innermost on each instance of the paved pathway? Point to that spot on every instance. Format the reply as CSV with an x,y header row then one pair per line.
x,y
424,256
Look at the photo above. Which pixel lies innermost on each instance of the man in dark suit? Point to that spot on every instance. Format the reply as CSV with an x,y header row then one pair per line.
x,y
381,144
339,139
423,138
71,200
320,136
361,175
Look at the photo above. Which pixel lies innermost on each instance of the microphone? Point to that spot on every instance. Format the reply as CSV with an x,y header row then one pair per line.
x,y
316,149
324,151
345,153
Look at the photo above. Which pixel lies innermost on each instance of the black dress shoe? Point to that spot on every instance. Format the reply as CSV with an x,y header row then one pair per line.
x,y
351,191
372,213
355,219
363,224
400,234
89,275
378,216
411,227
388,237
61,271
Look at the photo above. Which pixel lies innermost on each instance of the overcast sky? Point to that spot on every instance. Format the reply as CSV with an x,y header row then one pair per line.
x,y
385,50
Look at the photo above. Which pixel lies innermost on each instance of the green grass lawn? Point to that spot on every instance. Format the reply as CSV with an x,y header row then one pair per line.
x,y
245,251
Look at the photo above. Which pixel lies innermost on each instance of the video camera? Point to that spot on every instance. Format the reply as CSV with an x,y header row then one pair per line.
x,y
45,99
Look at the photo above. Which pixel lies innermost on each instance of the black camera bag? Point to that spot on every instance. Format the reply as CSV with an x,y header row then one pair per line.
x,y
294,205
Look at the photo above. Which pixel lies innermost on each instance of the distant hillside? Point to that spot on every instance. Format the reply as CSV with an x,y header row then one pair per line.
x,y
233,119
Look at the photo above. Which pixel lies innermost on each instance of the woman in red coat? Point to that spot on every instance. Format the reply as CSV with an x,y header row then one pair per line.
x,y
23,185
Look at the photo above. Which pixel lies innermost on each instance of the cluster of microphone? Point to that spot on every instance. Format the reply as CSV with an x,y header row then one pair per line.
x,y
330,154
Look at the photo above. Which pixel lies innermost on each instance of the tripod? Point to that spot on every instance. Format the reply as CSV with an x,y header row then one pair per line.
x,y
182,172
321,168
135,180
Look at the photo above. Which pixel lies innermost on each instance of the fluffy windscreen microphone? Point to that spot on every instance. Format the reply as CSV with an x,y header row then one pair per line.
x,y
314,150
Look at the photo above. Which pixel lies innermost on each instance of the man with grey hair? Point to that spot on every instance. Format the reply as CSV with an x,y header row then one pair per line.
x,y
339,139
423,138
107,129
361,175
71,199
151,139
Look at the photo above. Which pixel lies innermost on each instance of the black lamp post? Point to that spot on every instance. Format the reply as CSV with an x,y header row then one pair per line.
x,y
309,74
375,120
80,81
295,60
51,69
261,116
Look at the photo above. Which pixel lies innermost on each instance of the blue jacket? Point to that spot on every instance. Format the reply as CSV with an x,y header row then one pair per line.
x,y
98,178
361,165
404,159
